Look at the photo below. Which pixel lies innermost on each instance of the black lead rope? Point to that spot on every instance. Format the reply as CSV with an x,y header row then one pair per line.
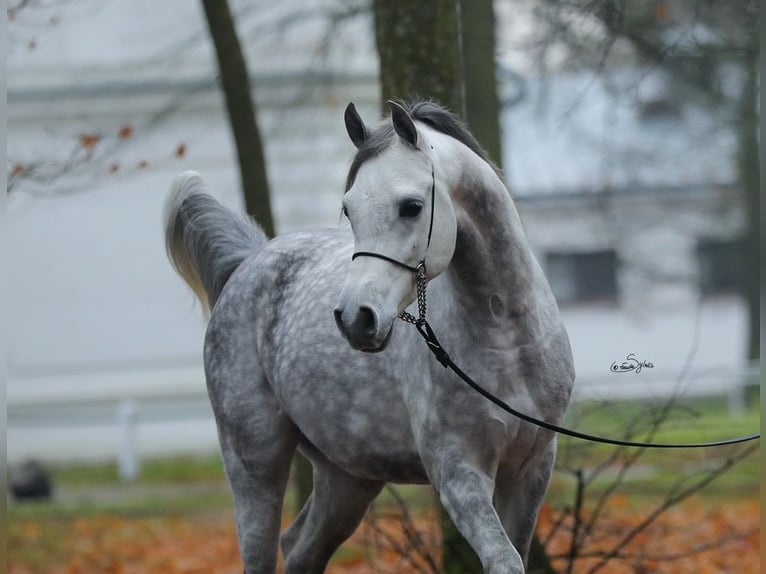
x,y
443,357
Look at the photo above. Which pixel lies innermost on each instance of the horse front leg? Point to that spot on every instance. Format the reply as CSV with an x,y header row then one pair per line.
x,y
518,499
466,490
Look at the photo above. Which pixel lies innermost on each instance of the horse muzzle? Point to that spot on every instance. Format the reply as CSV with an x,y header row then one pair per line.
x,y
362,328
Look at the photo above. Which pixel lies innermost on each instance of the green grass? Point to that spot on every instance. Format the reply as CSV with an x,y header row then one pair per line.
x,y
142,505
187,485
705,410
179,470
175,486
689,421
648,484
657,472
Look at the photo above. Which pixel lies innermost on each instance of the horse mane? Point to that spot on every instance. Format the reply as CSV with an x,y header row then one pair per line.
x,y
430,113
448,123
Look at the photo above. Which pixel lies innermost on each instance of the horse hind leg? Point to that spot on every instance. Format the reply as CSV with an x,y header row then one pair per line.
x,y
257,443
258,488
334,510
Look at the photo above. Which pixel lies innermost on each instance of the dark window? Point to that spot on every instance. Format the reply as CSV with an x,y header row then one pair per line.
x,y
583,277
660,110
721,266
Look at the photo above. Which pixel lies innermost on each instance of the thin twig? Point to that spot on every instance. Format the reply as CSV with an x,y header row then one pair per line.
x,y
563,515
671,501
411,532
574,546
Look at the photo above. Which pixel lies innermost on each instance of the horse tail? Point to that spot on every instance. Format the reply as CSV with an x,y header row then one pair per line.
x,y
204,240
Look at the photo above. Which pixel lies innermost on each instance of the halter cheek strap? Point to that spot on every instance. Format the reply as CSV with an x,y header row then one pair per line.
x,y
421,266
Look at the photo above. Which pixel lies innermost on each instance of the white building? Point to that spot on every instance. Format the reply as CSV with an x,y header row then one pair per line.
x,y
633,207
97,315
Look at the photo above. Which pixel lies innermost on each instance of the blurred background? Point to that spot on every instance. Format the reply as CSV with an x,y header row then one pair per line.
x,y
627,134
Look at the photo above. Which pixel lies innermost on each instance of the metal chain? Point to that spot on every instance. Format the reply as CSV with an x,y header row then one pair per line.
x,y
420,286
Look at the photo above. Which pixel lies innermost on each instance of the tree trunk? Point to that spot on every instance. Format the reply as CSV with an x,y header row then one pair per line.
x,y
749,178
420,57
235,82
419,50
482,114
538,561
482,106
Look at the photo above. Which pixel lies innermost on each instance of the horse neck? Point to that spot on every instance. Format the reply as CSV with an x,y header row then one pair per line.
x,y
493,270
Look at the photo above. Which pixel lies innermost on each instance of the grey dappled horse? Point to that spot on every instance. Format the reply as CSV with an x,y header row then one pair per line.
x,y
289,317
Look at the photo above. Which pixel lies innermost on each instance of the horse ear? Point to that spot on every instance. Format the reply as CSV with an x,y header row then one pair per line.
x,y
355,127
403,123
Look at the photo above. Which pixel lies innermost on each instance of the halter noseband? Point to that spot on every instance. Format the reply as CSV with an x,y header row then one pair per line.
x,y
420,268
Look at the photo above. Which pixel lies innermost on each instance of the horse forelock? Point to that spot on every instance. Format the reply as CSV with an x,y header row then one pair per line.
x,y
428,112
379,140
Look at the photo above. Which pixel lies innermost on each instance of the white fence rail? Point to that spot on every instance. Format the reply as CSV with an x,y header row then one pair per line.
x,y
121,415
140,417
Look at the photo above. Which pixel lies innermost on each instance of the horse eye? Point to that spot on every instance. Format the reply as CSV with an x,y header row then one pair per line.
x,y
410,208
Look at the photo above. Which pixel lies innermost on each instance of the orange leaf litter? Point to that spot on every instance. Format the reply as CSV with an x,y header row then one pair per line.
x,y
206,544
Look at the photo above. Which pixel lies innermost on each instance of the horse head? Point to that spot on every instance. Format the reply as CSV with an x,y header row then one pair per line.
x,y
402,219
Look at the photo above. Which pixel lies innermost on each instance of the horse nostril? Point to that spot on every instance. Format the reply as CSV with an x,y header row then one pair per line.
x,y
338,313
366,321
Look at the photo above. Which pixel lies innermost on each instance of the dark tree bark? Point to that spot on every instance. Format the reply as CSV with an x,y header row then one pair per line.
x,y
235,82
482,114
419,50
482,106
538,561
749,176
420,57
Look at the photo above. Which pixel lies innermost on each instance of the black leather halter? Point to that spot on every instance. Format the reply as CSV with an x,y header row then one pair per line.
x,y
416,269
421,324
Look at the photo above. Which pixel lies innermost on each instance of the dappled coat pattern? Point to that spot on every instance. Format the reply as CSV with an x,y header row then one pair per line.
x,y
303,349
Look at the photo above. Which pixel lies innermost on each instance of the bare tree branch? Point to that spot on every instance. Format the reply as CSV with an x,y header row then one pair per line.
x,y
672,500
412,549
